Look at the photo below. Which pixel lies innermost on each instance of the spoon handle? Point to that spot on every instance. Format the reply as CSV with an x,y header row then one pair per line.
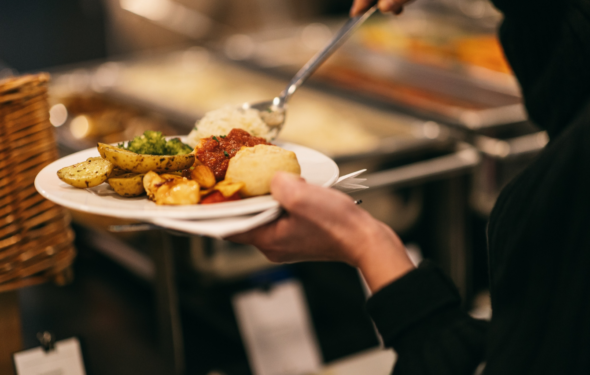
x,y
307,70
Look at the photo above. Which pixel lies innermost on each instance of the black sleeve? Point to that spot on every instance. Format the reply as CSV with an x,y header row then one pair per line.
x,y
419,316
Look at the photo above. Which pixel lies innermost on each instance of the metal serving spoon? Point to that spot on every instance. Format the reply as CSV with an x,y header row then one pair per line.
x,y
273,111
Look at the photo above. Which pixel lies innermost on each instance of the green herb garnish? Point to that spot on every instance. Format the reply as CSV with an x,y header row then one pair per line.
x,y
215,138
226,154
223,136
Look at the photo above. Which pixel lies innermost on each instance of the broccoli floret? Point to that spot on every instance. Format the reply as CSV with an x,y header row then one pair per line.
x,y
154,143
176,147
150,143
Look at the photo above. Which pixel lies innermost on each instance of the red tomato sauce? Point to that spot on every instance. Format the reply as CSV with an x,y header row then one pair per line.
x,y
217,197
216,151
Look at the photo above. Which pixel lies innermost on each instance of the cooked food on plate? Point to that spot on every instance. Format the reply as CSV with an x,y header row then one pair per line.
x,y
127,184
86,174
154,143
216,151
222,121
202,174
143,163
149,152
255,167
171,189
223,168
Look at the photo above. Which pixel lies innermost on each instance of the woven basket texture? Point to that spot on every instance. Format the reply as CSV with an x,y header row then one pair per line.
x,y
36,241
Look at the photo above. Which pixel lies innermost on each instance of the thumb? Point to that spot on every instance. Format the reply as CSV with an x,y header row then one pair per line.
x,y
307,200
359,6
293,193
284,185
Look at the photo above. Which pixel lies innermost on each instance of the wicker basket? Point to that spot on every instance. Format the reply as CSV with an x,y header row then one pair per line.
x,y
36,241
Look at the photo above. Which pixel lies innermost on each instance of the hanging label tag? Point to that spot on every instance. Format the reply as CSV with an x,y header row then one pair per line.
x,y
277,331
65,359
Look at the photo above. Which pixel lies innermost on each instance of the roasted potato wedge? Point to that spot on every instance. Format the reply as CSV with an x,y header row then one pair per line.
x,y
117,172
86,174
101,147
128,184
138,163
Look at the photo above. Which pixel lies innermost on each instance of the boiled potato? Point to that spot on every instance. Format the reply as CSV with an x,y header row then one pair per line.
x,y
256,166
86,174
128,184
139,163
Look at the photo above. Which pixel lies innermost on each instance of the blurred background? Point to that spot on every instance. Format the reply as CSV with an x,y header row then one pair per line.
x,y
424,101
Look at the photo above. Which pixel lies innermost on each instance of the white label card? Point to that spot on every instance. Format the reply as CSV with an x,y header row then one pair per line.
x,y
65,359
277,330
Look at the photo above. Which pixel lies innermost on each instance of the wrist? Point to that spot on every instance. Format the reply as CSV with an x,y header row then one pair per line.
x,y
383,259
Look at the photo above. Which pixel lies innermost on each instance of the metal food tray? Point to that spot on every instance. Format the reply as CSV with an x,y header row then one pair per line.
x,y
451,96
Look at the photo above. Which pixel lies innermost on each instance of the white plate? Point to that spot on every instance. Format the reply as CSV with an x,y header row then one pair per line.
x,y
316,168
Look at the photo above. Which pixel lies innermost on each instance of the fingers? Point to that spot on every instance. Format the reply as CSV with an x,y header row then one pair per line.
x,y
385,6
306,200
254,236
360,6
271,239
393,6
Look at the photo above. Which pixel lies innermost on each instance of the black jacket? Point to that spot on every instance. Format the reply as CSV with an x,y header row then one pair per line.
x,y
539,230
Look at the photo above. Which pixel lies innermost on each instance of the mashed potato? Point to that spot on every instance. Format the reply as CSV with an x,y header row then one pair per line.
x,y
222,121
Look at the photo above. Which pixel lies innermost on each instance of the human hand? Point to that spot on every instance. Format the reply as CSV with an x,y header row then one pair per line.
x,y
385,6
325,225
